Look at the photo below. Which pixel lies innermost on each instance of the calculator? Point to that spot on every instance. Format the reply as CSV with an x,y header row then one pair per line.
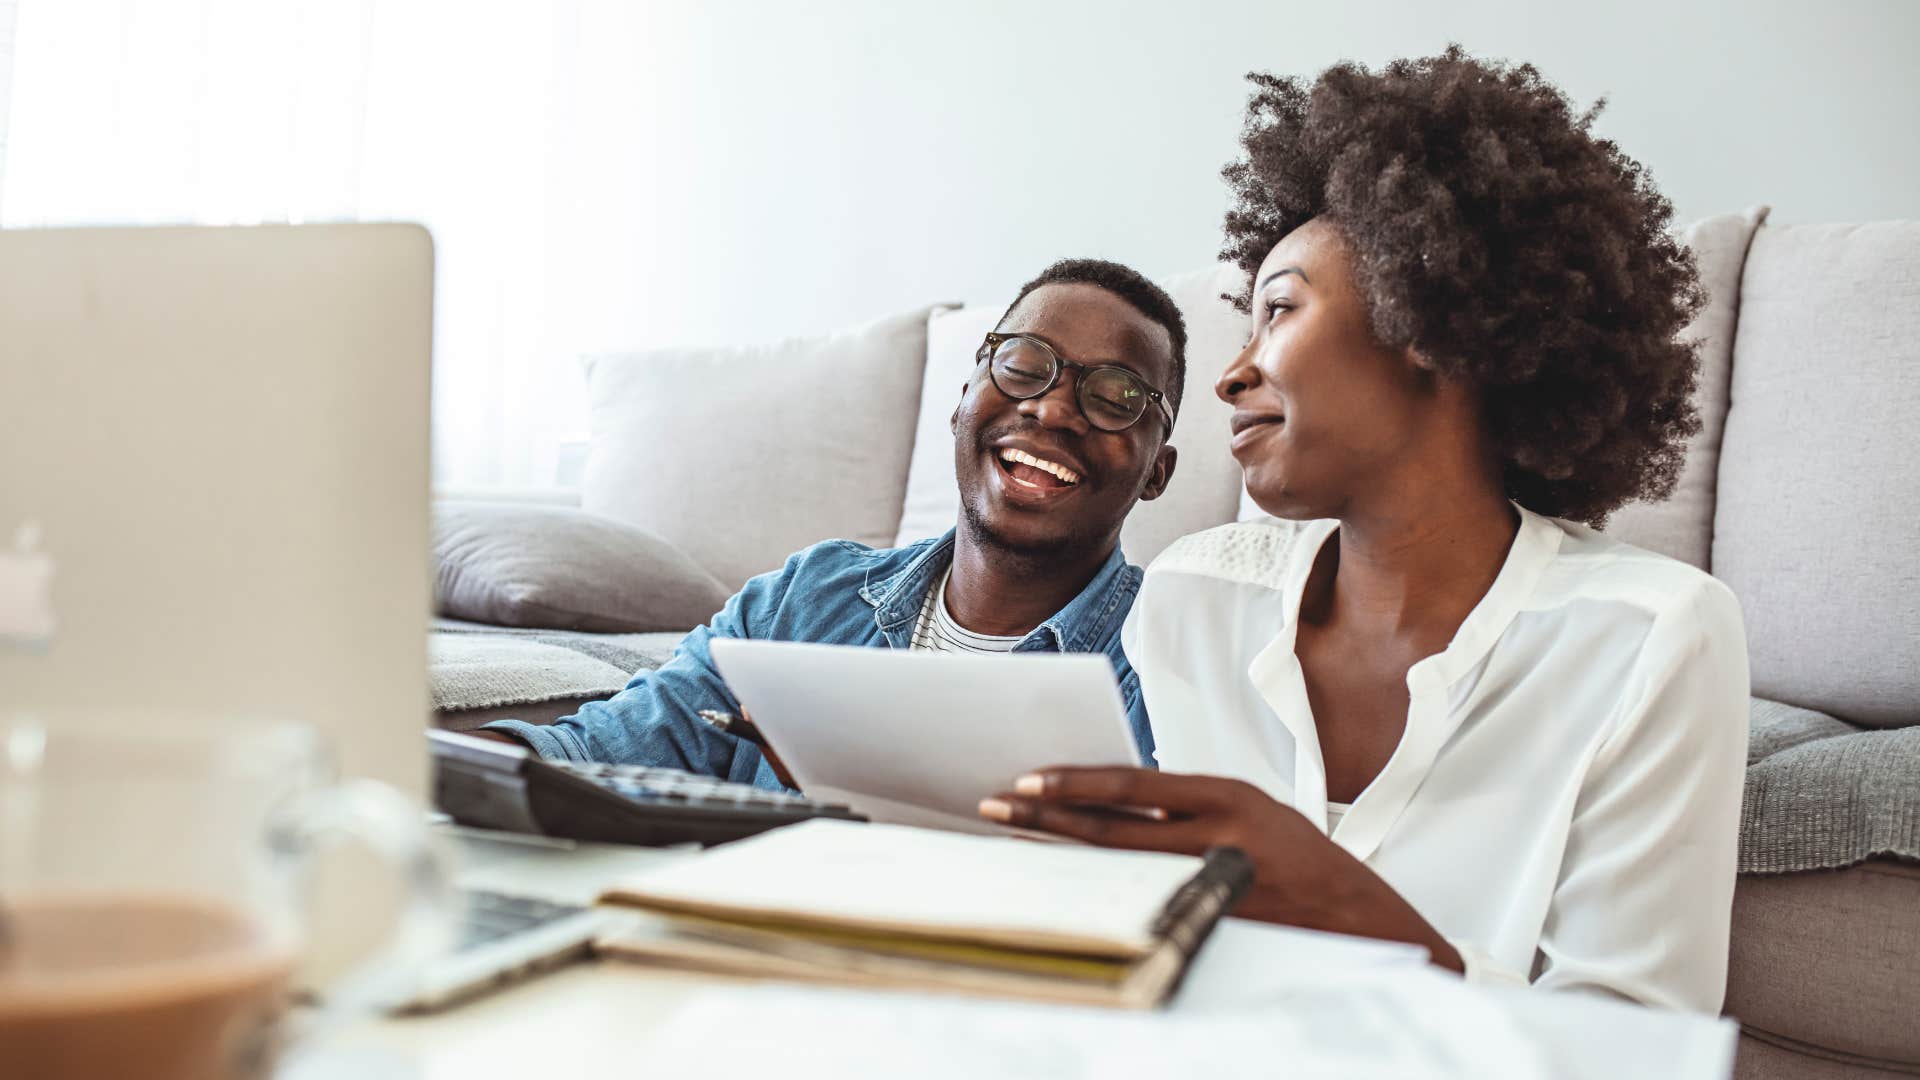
x,y
496,785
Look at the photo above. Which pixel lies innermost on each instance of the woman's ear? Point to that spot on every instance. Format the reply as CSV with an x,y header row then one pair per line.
x,y
1426,373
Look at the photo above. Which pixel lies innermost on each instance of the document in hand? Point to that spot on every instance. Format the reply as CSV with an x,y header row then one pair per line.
x,y
921,738
896,906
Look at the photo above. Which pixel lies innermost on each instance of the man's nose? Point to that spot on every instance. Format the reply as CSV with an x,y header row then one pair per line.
x,y
1058,407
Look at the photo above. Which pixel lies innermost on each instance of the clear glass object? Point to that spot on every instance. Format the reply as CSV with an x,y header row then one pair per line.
x,y
158,883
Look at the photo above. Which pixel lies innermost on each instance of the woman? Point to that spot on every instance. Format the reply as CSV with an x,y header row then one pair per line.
x,y
1431,702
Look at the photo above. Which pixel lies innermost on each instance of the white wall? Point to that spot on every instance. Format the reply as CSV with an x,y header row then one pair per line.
x,y
789,168
616,174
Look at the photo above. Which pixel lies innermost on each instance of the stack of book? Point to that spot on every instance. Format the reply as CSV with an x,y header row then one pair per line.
x,y
893,906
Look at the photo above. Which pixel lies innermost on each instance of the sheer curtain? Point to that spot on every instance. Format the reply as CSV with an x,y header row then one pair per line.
x,y
8,9
253,111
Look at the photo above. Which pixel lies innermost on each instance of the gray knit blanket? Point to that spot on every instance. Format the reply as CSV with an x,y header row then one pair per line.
x,y
476,666
1821,793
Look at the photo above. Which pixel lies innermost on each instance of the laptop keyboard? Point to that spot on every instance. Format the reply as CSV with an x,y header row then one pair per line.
x,y
492,916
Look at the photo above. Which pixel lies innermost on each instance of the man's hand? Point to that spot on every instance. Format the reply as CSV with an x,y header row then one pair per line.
x,y
1301,878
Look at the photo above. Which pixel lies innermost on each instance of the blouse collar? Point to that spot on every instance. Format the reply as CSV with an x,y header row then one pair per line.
x,y
1275,670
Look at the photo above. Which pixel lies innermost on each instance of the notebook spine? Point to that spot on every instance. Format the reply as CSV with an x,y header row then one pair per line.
x,y
1193,910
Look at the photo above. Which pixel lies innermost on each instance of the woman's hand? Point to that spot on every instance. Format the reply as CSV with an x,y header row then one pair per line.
x,y
1301,878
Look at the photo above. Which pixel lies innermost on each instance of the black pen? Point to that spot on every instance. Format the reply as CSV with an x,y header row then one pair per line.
x,y
738,726
742,727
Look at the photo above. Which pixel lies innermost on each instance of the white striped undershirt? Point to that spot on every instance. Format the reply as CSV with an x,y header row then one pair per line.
x,y
937,632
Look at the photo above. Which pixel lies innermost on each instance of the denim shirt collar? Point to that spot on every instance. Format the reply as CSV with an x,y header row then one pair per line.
x,y
897,593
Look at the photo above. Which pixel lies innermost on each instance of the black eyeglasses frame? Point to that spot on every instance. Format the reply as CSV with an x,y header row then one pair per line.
x,y
1060,363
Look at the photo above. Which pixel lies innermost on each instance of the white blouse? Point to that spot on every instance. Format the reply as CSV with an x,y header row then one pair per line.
x,y
1564,805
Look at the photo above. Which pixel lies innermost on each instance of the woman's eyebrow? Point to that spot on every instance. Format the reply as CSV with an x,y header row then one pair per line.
x,y
1283,270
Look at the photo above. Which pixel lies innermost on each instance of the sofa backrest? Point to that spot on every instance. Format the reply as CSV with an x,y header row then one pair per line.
x,y
1817,521
1801,490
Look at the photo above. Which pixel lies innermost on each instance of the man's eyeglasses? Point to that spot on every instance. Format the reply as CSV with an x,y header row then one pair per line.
x,y
1110,397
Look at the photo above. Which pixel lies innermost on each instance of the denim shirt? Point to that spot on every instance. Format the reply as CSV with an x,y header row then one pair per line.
x,y
834,593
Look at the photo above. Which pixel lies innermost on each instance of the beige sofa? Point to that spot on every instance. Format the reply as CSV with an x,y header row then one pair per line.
x,y
1801,492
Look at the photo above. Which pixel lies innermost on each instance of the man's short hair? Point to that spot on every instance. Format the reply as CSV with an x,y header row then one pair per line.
x,y
1132,286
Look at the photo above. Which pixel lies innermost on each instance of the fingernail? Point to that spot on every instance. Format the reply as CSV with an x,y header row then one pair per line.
x,y
996,809
1030,784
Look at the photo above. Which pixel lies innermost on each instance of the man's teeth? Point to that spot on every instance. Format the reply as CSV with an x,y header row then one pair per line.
x,y
1024,458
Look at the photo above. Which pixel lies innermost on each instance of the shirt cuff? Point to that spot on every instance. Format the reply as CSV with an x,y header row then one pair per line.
x,y
1483,969
549,742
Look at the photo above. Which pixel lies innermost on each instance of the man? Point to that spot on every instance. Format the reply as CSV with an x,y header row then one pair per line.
x,y
1061,428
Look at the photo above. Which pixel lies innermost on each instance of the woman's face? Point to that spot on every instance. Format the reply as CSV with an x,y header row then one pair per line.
x,y
1323,413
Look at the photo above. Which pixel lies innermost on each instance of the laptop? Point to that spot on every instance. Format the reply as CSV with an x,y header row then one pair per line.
x,y
214,495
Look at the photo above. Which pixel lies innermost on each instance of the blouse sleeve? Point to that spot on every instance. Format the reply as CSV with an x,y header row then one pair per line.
x,y
1643,903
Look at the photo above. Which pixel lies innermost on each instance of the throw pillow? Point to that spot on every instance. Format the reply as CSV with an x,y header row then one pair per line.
x,y
746,454
555,567
1818,514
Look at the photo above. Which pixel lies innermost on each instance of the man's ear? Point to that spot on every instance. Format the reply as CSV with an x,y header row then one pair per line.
x,y
1160,475
953,422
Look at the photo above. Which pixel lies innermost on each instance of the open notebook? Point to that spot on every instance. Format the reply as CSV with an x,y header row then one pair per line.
x,y
895,906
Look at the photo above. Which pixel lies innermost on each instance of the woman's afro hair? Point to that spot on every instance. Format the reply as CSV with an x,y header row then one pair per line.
x,y
1493,234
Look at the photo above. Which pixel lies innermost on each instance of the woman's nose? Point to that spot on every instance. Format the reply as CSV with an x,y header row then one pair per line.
x,y
1241,375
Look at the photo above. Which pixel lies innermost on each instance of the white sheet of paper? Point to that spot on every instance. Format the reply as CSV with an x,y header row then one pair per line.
x,y
898,875
1376,1022
1245,961
1352,1032
896,734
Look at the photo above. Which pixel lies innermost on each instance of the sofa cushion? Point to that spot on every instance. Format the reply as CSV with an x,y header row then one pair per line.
x,y
782,446
1761,1056
557,568
1206,481
1682,524
1823,962
1824,794
1818,514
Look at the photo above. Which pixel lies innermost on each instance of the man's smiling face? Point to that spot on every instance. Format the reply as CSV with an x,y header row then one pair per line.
x,y
1035,477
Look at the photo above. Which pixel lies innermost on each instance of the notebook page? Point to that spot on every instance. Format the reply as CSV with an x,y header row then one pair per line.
x,y
893,877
